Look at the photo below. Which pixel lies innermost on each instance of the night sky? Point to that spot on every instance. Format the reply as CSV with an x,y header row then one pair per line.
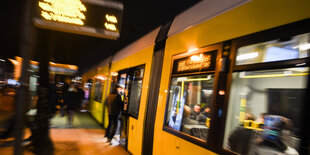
x,y
139,18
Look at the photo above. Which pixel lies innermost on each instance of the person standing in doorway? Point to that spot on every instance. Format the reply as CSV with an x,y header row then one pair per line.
x,y
114,104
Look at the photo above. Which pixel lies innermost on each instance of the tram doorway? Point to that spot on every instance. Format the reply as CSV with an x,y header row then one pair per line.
x,y
129,82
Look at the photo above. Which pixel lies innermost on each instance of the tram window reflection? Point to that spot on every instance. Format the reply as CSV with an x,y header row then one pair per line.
x,y
264,112
189,109
135,92
99,85
276,50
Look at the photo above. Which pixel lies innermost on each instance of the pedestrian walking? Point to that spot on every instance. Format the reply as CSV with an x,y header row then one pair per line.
x,y
71,101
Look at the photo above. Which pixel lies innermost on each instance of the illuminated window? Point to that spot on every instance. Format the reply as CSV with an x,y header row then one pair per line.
x,y
265,111
190,98
99,85
136,91
277,50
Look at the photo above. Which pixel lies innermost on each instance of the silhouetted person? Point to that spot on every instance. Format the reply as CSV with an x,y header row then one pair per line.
x,y
239,140
53,99
71,101
114,103
81,94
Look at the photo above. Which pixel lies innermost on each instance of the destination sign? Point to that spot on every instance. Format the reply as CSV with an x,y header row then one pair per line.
x,y
96,18
195,63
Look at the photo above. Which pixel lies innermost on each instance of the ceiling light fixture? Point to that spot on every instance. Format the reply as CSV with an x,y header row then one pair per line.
x,y
247,56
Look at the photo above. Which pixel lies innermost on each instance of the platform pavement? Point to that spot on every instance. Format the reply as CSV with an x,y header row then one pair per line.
x,y
77,140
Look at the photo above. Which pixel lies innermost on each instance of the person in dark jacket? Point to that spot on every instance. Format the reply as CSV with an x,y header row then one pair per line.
x,y
239,140
81,94
71,101
195,112
114,104
201,118
53,99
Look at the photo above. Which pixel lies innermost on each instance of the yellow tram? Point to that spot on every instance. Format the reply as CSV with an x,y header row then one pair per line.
x,y
223,77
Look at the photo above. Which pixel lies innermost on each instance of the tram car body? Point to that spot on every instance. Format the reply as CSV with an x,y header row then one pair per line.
x,y
220,78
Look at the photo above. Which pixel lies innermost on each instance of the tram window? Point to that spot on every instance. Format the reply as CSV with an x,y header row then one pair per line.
x,y
135,92
276,50
190,98
113,82
98,90
265,109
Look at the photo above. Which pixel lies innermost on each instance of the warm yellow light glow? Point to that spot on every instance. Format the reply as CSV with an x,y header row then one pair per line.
x,y
192,50
222,92
66,11
272,75
46,15
114,74
303,47
109,26
100,77
195,62
195,79
195,58
72,67
198,79
111,18
247,56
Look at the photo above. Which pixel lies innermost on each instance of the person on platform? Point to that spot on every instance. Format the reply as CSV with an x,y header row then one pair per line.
x,y
115,105
81,94
71,101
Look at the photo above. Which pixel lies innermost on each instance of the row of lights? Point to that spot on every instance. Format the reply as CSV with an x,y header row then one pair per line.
x,y
103,77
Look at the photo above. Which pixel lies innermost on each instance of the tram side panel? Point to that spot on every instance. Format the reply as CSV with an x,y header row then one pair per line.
x,y
136,126
255,16
252,17
97,99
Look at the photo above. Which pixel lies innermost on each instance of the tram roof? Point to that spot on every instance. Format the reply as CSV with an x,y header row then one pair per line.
x,y
201,12
142,43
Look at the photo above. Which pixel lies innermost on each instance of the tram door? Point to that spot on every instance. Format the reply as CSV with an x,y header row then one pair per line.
x,y
123,83
130,83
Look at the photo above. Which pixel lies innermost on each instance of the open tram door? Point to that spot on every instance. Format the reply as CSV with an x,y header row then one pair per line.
x,y
130,87
123,83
